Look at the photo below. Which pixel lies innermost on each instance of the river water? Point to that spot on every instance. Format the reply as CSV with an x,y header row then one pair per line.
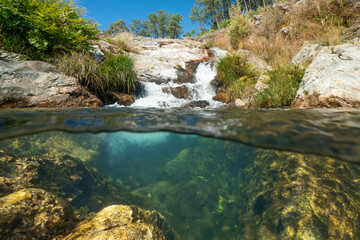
x,y
213,174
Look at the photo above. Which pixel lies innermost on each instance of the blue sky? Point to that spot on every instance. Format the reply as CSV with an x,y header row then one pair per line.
x,y
106,12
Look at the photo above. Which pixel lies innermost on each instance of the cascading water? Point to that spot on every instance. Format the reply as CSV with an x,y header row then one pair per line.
x,y
200,90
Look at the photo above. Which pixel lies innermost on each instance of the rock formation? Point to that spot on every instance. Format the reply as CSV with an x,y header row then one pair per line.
x,y
34,214
161,60
38,84
124,222
332,79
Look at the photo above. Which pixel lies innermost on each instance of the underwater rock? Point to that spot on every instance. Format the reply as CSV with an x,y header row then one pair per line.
x,y
73,181
294,196
193,191
34,214
124,222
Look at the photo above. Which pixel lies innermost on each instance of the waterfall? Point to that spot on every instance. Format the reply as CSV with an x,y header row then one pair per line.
x,y
201,90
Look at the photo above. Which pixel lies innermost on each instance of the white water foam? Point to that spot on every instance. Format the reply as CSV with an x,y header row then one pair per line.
x,y
200,90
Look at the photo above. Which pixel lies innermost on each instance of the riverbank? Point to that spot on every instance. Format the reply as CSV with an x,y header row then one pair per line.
x,y
266,59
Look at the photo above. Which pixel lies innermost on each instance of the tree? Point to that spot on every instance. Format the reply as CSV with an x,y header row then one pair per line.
x,y
145,29
197,15
153,25
135,26
174,28
190,34
162,22
118,27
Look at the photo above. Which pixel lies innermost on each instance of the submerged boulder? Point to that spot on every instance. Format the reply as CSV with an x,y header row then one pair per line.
x,y
294,196
73,181
34,214
124,222
38,84
332,79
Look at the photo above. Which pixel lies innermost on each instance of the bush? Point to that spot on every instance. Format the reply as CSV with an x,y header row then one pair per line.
x,y
224,23
42,28
282,87
233,67
242,88
239,28
116,74
235,72
122,45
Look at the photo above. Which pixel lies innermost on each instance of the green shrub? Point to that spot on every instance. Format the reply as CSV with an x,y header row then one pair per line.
x,y
282,87
232,67
224,23
115,74
242,88
239,28
42,28
237,75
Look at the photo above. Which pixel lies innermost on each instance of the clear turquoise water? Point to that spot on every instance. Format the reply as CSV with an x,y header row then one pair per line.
x,y
207,188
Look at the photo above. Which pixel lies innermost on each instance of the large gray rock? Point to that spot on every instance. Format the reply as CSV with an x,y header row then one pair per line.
x,y
332,79
306,54
161,58
260,65
38,84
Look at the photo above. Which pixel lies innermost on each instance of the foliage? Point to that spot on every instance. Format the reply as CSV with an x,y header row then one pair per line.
x,y
242,88
190,34
158,25
118,27
232,67
237,75
239,28
282,87
122,45
174,29
116,74
209,12
224,23
42,28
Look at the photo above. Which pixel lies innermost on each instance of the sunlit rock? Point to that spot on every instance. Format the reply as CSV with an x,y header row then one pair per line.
x,y
332,79
124,222
39,84
294,196
33,214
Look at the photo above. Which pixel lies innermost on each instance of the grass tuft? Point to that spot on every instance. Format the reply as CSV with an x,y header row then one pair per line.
x,y
115,74
237,75
283,85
